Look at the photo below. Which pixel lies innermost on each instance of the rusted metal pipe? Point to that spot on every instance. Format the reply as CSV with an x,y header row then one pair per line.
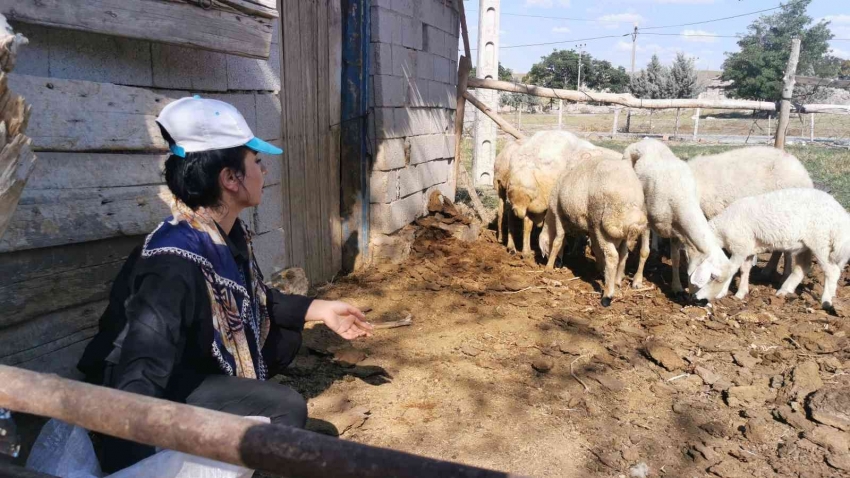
x,y
211,434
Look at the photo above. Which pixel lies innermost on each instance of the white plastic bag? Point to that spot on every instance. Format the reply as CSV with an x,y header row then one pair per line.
x,y
66,451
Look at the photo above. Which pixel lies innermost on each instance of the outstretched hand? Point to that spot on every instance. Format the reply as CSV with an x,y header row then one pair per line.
x,y
344,319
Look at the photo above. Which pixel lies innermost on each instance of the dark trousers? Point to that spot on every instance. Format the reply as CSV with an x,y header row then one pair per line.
x,y
239,396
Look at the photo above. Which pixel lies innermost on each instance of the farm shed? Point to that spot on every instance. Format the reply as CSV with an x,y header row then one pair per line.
x,y
360,94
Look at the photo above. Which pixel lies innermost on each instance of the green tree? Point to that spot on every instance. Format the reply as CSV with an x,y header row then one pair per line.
x,y
758,67
683,78
559,69
845,69
653,82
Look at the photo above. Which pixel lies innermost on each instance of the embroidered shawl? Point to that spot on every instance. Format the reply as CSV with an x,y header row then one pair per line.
x,y
240,320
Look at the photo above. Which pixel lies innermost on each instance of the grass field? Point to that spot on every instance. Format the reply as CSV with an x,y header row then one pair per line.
x,y
712,122
827,165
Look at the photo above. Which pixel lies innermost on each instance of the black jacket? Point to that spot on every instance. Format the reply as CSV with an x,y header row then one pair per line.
x,y
157,330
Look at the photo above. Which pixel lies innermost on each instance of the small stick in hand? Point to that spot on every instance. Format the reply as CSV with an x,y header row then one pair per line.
x,y
396,323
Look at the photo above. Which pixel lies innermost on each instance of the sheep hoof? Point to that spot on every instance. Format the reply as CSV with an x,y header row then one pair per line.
x,y
829,308
702,302
606,302
740,296
637,285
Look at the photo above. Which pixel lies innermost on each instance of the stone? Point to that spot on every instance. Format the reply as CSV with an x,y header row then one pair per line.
x,y
665,356
707,376
749,396
841,308
516,283
543,364
756,430
608,382
819,342
831,407
468,349
717,429
839,461
728,469
744,359
830,364
805,379
291,281
836,441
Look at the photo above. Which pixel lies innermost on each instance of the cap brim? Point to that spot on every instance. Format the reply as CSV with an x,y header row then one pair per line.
x,y
261,146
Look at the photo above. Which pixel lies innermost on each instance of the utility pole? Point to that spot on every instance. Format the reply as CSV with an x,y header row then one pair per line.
x,y
580,52
484,150
632,77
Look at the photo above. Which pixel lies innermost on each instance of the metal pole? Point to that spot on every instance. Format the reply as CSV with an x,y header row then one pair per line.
x,y
210,434
560,114
787,92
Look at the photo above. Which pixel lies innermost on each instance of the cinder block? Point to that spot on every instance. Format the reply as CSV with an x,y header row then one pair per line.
x,y
248,216
385,126
252,74
388,4
270,211
426,12
188,68
270,251
417,93
418,178
453,47
401,117
405,7
444,18
434,41
76,55
411,33
33,59
383,187
274,165
388,90
391,154
244,102
424,65
454,22
268,116
404,61
442,70
386,26
429,147
382,59
389,218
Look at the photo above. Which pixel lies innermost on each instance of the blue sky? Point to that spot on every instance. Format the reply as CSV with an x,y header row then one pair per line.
x,y
616,17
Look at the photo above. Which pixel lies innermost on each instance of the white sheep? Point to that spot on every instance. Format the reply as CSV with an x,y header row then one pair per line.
x,y
534,168
803,222
501,172
672,205
601,197
724,178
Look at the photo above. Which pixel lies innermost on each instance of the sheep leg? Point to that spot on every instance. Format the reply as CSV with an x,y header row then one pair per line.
x,y
508,220
608,254
735,263
675,257
557,243
527,226
831,274
772,265
789,265
637,283
802,266
500,214
744,284
621,267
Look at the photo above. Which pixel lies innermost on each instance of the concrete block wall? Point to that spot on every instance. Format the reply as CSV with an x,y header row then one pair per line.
x,y
414,75
252,86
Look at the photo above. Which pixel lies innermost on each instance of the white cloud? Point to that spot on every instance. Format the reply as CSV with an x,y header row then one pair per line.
x,y
546,3
838,24
561,30
613,21
844,54
696,36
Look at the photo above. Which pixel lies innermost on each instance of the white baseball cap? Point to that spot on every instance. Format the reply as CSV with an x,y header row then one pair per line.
x,y
203,124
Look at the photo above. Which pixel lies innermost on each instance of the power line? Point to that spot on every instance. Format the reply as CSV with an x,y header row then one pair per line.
x,y
713,20
704,35
559,42
546,17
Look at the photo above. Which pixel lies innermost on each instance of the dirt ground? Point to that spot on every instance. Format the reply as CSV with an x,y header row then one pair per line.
x,y
515,368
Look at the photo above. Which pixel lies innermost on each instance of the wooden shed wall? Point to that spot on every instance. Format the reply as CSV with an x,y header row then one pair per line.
x,y
97,188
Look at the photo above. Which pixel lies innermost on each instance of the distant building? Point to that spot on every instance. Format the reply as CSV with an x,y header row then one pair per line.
x,y
713,88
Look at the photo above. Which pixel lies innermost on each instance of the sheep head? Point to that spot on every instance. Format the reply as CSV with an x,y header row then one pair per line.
x,y
647,147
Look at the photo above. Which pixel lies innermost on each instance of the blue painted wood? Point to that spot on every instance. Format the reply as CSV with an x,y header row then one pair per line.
x,y
355,150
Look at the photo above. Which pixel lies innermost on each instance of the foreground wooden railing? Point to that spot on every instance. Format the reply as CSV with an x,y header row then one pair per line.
x,y
215,435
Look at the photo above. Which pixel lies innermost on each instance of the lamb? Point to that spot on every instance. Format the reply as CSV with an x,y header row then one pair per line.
x,y
673,209
724,178
601,197
501,172
802,222
534,168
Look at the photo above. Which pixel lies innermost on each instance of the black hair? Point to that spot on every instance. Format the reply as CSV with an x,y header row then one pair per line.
x,y
194,179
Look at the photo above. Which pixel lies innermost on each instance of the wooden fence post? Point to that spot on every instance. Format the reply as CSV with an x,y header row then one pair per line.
x,y
560,114
650,120
678,111
812,130
616,122
787,93
696,124
769,126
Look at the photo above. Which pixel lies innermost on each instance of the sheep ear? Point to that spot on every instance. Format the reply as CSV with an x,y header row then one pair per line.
x,y
703,274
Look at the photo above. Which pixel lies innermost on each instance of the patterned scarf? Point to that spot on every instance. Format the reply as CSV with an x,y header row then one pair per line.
x,y
240,320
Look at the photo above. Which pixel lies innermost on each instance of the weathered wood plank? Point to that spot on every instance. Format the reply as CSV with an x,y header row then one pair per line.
x,y
96,170
181,23
335,108
41,264
291,36
322,131
62,362
73,115
47,333
286,206
307,14
67,216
